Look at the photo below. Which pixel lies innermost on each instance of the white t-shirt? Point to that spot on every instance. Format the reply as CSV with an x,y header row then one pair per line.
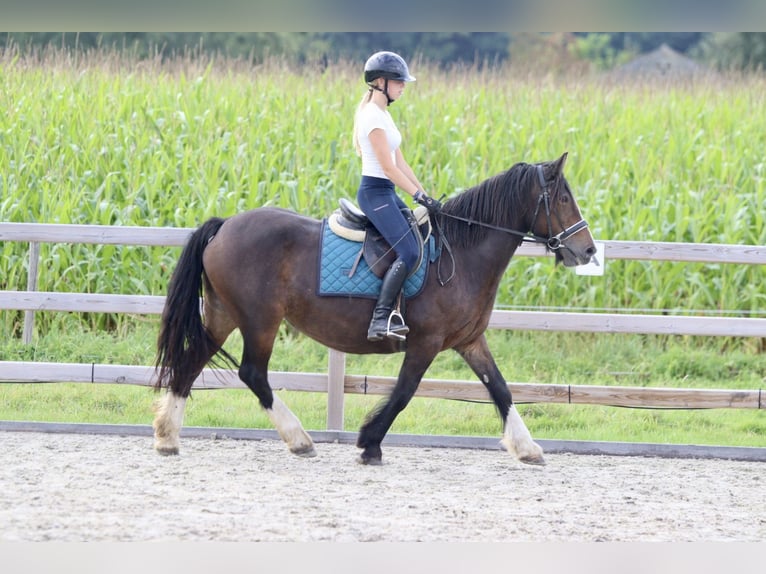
x,y
369,118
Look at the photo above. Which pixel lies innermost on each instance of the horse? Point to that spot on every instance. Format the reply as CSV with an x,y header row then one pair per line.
x,y
257,268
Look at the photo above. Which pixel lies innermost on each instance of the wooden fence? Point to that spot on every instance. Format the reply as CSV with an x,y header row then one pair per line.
x,y
336,382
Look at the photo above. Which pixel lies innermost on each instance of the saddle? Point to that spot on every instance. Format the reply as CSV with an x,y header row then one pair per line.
x,y
350,222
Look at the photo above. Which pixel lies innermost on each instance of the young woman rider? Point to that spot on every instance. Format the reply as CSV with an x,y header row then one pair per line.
x,y
377,141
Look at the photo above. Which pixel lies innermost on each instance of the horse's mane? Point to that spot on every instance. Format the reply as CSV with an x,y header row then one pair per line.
x,y
501,200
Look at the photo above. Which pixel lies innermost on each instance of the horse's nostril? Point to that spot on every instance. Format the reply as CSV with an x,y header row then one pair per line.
x,y
591,251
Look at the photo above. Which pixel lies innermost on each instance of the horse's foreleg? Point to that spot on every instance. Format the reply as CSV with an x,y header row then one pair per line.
x,y
168,419
516,437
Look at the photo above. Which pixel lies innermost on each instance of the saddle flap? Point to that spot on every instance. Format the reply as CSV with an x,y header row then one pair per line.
x,y
377,252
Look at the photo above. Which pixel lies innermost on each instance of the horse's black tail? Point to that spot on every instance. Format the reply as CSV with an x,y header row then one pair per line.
x,y
184,345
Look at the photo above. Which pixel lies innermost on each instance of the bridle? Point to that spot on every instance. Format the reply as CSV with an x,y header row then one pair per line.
x,y
552,242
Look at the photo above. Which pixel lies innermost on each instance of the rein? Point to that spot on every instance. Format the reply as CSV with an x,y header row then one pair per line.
x,y
552,242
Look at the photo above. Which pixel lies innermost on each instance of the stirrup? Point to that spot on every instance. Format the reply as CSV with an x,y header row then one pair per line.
x,y
399,330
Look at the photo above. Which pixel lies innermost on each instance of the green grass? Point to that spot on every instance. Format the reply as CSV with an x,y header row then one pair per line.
x,y
625,360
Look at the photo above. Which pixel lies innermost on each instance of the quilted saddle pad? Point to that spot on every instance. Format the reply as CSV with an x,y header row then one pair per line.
x,y
337,258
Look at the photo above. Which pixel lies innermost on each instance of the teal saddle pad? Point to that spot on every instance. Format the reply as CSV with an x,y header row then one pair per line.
x,y
337,257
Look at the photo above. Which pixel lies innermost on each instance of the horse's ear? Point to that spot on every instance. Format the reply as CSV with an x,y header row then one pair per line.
x,y
555,167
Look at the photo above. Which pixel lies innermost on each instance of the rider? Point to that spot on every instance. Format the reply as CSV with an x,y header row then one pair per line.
x,y
377,141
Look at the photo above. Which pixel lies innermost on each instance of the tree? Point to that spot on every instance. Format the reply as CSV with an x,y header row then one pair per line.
x,y
736,51
439,47
598,49
640,42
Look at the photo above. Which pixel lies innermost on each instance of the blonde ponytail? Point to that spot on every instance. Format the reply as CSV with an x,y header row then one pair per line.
x,y
365,100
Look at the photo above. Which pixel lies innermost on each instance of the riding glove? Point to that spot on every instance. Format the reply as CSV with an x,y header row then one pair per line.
x,y
433,205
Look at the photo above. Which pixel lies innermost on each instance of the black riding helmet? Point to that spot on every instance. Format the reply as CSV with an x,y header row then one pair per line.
x,y
389,66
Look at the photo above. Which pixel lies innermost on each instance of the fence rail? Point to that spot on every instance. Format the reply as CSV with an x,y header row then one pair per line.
x,y
336,383
514,320
29,372
177,236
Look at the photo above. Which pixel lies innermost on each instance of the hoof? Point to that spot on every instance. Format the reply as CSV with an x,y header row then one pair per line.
x,y
533,460
304,451
371,461
371,454
167,451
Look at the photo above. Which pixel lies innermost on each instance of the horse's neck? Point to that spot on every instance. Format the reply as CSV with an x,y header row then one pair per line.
x,y
489,259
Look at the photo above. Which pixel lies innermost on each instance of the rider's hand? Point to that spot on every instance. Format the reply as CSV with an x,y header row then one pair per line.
x,y
433,205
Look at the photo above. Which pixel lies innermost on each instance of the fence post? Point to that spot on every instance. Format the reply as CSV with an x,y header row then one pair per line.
x,y
336,375
34,264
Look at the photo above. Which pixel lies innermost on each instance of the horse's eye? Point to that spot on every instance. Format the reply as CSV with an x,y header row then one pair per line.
x,y
564,198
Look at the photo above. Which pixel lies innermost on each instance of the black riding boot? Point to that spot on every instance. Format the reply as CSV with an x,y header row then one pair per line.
x,y
386,322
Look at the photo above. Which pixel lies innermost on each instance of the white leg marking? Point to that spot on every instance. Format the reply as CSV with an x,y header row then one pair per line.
x,y
518,441
168,419
290,429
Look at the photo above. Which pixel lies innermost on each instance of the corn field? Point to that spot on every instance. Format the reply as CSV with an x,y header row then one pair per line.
x,y
105,140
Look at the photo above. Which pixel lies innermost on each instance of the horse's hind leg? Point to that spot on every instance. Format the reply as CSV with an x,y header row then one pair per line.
x,y
254,373
380,420
516,437
290,429
169,409
517,440
168,419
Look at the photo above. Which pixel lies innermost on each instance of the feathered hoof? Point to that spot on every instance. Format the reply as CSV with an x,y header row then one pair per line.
x,y
306,451
372,456
372,461
167,450
538,460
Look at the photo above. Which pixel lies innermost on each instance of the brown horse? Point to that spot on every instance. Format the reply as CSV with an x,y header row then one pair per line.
x,y
258,268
